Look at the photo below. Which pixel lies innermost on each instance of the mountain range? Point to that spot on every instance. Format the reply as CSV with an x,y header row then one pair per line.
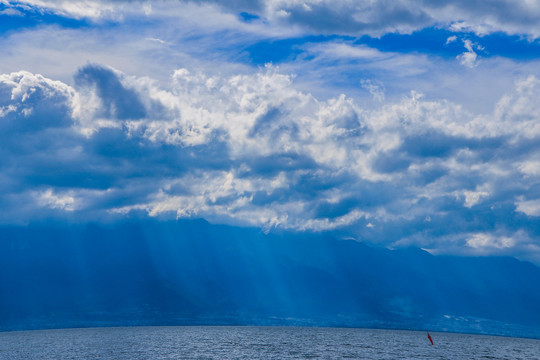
x,y
189,272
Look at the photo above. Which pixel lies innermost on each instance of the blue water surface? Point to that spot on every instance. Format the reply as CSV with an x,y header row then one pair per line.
x,y
224,342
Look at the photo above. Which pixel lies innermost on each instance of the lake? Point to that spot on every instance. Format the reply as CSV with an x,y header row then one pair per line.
x,y
231,342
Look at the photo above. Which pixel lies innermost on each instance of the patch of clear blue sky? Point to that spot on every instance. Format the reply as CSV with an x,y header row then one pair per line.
x,y
430,41
433,41
247,17
29,18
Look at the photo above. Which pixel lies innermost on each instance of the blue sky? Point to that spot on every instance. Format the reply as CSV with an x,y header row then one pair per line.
x,y
392,122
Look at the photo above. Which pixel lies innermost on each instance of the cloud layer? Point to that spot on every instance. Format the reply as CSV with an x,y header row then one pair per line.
x,y
176,115
330,17
255,150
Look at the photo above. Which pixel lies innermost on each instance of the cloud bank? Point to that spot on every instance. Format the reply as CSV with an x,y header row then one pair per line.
x,y
428,139
254,150
330,17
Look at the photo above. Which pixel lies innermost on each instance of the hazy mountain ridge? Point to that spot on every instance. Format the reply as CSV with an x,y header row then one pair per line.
x,y
191,272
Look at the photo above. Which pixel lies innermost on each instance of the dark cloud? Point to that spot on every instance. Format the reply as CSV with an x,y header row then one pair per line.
x,y
391,162
265,121
429,174
118,101
403,16
382,16
326,209
504,11
273,164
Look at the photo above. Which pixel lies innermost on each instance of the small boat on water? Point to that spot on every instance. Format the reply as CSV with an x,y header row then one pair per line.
x,y
430,339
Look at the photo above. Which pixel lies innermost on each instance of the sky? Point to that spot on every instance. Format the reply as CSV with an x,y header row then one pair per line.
x,y
397,123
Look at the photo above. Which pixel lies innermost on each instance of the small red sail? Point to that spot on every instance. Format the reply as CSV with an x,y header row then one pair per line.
x,y
429,337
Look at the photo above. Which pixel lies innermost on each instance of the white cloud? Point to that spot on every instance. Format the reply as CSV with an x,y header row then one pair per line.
x,y
52,200
482,241
23,84
451,39
341,50
518,111
77,9
4,110
375,88
474,197
11,12
530,168
468,58
529,207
